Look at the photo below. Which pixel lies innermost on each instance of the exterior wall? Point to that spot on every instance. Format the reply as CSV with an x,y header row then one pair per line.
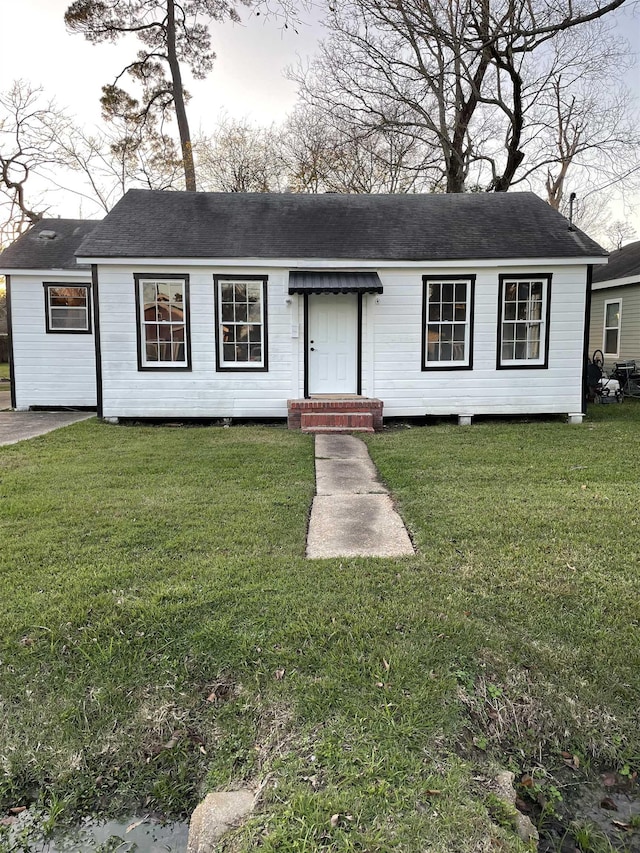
x,y
629,322
202,391
396,319
48,369
391,349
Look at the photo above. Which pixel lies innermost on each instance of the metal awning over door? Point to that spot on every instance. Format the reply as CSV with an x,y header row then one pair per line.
x,y
334,282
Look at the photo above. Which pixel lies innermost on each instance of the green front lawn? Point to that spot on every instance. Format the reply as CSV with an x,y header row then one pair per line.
x,y
4,370
161,632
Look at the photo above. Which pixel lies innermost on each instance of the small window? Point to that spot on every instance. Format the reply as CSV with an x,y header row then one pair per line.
x,y
448,322
67,308
611,337
163,322
241,310
523,327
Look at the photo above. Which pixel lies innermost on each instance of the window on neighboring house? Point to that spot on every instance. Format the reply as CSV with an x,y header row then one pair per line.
x,y
523,325
612,312
163,322
241,311
67,308
447,305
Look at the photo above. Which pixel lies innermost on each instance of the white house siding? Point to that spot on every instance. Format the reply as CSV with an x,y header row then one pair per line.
x,y
49,369
408,390
201,392
391,349
629,295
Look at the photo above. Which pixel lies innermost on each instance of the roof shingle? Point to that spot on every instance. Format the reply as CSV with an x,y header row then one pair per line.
x,y
157,224
49,245
623,263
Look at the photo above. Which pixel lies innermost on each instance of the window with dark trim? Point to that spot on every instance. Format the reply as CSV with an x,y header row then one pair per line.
x,y
162,312
611,334
524,307
67,308
241,322
447,327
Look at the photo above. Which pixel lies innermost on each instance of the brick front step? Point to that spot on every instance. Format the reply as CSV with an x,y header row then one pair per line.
x,y
335,414
347,421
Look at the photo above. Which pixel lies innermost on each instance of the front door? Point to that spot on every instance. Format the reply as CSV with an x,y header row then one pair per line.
x,y
332,343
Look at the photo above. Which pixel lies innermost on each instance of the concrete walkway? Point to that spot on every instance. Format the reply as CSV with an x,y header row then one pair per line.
x,y
17,426
352,514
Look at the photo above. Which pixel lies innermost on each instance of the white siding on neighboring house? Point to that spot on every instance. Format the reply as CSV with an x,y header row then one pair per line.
x,y
391,347
49,369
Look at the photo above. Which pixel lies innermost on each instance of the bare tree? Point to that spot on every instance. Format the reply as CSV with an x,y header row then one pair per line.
x,y
29,127
240,157
458,74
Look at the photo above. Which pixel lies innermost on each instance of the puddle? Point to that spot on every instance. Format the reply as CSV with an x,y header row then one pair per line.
x,y
595,816
143,834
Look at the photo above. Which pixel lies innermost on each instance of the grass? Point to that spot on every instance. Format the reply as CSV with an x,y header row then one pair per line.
x,y
4,371
162,633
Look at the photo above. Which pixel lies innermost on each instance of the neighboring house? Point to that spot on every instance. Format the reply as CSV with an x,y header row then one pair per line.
x,y
50,317
328,307
615,307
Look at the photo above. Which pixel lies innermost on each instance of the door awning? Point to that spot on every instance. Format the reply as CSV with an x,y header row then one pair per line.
x,y
319,281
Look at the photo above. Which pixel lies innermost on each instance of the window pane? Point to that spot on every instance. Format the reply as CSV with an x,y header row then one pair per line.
x,y
68,318
163,315
445,333
461,292
536,290
447,311
434,311
523,291
510,292
535,310
461,311
613,314
434,293
447,293
445,352
510,311
458,332
508,330
611,341
241,313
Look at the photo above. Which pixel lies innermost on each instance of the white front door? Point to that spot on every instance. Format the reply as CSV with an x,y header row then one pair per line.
x,y
332,343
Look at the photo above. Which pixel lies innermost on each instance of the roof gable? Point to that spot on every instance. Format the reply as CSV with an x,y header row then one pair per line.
x,y
158,224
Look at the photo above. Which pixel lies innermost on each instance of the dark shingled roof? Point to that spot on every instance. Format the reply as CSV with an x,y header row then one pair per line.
x,y
157,224
623,263
49,245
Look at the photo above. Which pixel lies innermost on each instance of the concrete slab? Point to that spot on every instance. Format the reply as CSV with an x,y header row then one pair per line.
x,y
18,426
347,476
356,526
340,447
5,396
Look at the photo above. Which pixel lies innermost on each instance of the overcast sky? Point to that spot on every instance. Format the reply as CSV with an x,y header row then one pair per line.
x,y
247,80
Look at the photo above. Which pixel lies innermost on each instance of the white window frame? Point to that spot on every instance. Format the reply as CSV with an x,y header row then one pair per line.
x,y
222,325
606,328
449,364
174,364
542,359
82,328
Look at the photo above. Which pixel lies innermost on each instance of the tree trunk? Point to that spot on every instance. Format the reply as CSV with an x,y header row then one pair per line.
x,y
178,100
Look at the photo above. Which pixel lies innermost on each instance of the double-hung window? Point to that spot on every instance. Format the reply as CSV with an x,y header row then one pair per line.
x,y
67,308
523,321
611,336
241,320
162,303
447,328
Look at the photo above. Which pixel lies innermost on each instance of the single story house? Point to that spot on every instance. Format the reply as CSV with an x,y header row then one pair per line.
x,y
615,307
320,308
